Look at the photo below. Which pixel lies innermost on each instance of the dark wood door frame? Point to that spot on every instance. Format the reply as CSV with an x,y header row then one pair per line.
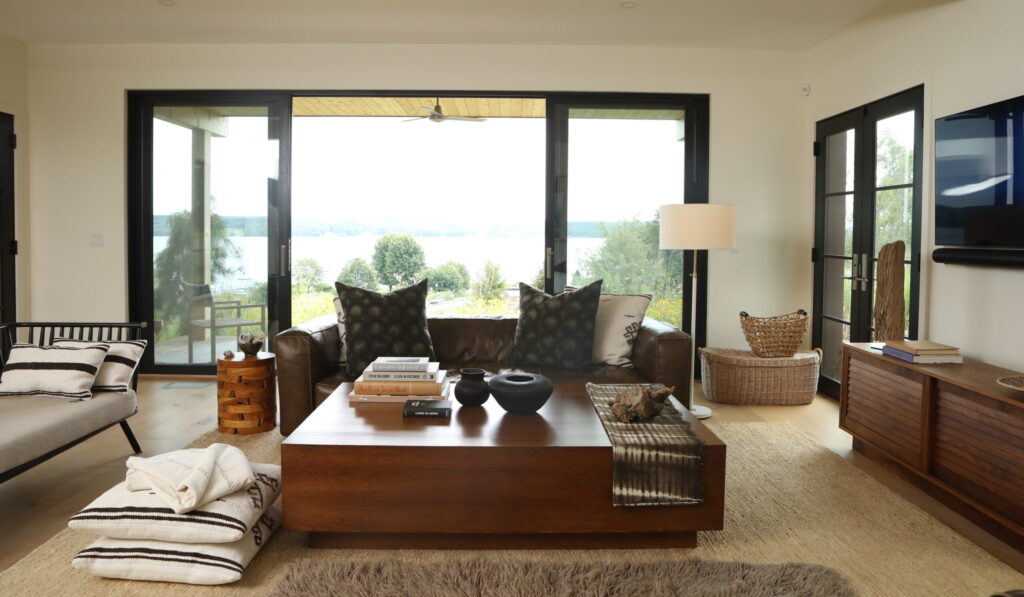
x,y
8,243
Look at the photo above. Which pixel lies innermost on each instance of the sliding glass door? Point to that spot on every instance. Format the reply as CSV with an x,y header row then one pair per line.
x,y
618,158
479,191
7,243
213,177
868,195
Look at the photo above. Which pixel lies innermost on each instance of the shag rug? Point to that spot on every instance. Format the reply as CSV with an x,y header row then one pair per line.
x,y
787,499
505,578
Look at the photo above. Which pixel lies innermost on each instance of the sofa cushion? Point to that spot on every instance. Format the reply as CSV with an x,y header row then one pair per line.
x,y
31,426
391,324
556,331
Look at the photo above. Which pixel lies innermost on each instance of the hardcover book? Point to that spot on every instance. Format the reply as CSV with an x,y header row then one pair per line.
x,y
440,409
429,375
921,347
923,359
411,388
355,398
400,364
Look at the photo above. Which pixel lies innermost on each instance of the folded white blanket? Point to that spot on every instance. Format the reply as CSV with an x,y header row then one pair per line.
x,y
188,479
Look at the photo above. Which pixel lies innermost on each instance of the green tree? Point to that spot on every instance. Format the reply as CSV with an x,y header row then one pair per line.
x,y
539,279
398,259
175,266
449,276
489,284
630,262
308,275
358,273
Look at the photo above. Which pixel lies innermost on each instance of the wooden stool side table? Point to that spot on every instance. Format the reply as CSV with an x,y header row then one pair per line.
x,y
246,394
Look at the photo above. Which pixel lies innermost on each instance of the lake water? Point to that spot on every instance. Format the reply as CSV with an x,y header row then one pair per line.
x,y
520,258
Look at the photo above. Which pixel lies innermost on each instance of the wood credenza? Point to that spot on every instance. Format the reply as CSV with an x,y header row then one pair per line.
x,y
951,430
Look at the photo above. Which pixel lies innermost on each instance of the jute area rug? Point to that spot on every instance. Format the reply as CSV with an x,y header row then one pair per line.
x,y
788,499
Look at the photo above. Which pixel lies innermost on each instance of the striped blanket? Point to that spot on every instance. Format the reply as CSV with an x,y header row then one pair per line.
x,y
656,462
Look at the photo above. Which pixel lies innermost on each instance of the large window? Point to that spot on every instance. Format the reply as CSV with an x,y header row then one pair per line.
x,y
246,207
384,195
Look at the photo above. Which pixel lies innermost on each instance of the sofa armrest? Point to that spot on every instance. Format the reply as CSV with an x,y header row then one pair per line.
x,y
662,354
305,354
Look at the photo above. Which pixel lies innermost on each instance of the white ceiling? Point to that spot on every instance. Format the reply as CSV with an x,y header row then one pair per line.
x,y
764,24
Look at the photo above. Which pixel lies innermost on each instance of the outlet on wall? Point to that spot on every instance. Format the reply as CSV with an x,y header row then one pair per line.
x,y
95,239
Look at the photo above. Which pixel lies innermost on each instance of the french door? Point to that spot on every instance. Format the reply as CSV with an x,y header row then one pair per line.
x,y
867,194
211,170
7,244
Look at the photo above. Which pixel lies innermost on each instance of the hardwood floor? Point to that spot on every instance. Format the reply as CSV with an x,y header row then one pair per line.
x,y
36,505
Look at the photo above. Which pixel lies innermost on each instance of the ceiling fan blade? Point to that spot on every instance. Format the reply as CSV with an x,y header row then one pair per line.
x,y
431,111
466,118
416,118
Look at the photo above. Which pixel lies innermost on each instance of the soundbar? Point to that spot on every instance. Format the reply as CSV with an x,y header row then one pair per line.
x,y
980,256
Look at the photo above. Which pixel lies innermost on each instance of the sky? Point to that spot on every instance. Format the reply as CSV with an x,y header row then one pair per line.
x,y
477,174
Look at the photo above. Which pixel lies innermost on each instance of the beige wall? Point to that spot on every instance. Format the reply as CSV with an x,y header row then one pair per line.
x,y
78,149
967,54
14,100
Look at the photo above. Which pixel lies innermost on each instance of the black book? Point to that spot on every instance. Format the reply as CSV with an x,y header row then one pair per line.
x,y
438,409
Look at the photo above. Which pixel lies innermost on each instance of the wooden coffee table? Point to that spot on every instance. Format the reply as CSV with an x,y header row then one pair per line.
x,y
362,476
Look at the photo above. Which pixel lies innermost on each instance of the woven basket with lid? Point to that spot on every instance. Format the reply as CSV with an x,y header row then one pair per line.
x,y
741,377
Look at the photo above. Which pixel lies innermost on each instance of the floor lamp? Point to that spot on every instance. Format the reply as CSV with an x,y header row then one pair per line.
x,y
697,227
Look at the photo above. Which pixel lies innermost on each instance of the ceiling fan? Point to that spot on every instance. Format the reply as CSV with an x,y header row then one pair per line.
x,y
436,115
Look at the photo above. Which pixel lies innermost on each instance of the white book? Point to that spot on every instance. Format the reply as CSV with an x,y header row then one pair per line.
x,y
431,374
400,364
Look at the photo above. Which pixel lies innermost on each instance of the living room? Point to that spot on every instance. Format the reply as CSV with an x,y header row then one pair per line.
x,y
770,75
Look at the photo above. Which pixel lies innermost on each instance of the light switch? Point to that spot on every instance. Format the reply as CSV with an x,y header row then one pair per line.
x,y
95,239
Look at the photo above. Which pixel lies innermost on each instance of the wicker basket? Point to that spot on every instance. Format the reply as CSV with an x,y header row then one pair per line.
x,y
740,377
777,336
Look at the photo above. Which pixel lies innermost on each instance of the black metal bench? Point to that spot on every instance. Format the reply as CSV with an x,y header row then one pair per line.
x,y
43,334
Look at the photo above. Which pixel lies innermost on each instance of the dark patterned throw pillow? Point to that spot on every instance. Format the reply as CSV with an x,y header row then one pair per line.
x,y
556,331
377,325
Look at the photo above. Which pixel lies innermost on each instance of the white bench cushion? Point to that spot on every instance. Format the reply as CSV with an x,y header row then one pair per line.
x,y
31,426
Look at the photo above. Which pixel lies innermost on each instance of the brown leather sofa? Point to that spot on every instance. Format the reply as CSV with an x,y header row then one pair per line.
x,y
307,359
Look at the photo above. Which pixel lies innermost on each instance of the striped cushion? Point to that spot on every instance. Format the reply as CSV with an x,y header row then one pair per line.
x,y
118,366
62,371
193,563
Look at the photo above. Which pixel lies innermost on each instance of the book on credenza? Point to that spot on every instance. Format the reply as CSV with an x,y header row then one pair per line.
x,y
429,375
399,364
431,409
923,359
412,388
921,347
356,398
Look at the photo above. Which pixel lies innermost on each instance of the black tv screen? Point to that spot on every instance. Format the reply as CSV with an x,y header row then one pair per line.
x,y
979,199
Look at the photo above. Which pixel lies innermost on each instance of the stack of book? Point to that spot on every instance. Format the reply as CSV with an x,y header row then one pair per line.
x,y
923,352
404,379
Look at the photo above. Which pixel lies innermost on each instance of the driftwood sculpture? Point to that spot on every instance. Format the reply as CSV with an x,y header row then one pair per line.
x,y
889,302
640,403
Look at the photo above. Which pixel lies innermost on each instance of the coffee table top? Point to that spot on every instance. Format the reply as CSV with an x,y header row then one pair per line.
x,y
567,419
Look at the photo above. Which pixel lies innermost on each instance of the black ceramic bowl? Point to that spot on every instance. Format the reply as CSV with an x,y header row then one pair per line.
x,y
521,393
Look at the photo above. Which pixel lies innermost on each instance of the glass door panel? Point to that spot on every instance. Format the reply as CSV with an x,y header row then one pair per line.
x,y
212,168
868,195
623,164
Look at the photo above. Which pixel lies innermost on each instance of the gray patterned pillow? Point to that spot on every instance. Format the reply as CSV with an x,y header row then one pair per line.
x,y
392,324
556,331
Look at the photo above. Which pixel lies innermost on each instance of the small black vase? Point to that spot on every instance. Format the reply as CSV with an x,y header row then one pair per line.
x,y
521,393
472,390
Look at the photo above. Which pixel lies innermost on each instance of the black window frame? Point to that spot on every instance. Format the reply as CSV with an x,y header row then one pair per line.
x,y
8,250
140,106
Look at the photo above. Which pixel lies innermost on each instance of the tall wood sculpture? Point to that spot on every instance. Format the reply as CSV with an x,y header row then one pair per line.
x,y
889,300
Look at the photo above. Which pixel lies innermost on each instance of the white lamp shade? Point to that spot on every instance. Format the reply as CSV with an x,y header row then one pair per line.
x,y
701,226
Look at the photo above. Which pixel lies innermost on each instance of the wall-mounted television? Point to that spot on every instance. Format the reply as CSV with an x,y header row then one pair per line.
x,y
979,177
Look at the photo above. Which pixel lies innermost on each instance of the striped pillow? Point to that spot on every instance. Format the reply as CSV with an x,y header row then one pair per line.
x,y
118,366
62,371
167,561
